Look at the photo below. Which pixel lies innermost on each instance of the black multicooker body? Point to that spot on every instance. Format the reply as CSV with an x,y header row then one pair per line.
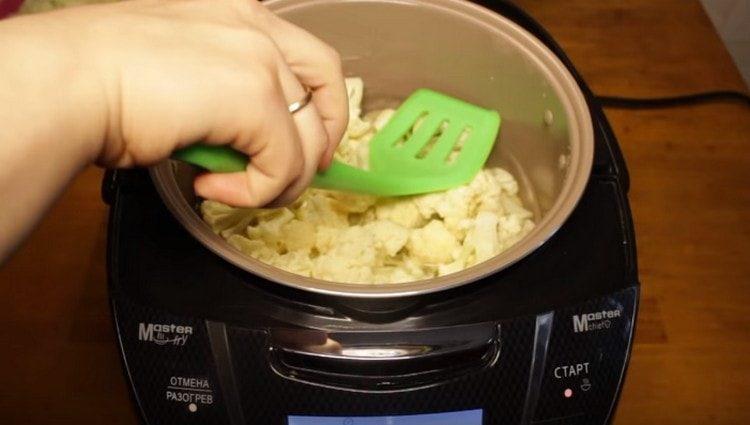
x,y
545,341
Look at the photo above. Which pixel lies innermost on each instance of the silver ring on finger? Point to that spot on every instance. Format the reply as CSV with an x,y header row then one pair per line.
x,y
299,105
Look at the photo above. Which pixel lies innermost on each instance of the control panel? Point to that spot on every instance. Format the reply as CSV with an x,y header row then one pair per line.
x,y
565,367
586,353
170,365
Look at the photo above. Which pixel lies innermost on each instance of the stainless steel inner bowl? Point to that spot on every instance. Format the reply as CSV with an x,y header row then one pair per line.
x,y
454,46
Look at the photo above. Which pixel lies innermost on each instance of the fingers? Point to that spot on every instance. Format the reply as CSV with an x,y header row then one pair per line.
x,y
273,144
312,135
317,66
284,154
286,150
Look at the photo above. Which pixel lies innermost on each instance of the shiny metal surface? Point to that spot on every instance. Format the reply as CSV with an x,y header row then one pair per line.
x,y
467,51
297,106
386,345
383,361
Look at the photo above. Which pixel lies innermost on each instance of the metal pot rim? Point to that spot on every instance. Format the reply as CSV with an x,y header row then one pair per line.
x,y
579,170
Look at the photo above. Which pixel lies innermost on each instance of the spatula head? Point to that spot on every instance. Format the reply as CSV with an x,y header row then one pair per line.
x,y
434,142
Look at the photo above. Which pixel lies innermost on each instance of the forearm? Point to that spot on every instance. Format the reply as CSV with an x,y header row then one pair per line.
x,y
49,123
128,83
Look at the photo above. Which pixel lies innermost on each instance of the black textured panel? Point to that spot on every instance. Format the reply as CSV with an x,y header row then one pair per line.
x,y
586,355
155,362
268,398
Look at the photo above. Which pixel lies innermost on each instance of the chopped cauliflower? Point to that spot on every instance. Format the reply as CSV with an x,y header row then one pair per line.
x,y
433,244
390,237
482,240
400,211
345,237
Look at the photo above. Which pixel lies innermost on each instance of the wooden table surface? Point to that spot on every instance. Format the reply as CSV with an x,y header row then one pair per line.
x,y
690,170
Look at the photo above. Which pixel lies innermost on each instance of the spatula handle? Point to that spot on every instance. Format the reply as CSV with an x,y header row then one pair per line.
x,y
339,176
217,159
344,177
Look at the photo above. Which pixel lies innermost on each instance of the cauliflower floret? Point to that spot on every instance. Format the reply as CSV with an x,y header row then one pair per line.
x,y
340,269
503,179
482,240
528,225
456,266
396,274
433,244
320,210
325,238
294,262
415,269
512,206
358,128
269,230
349,255
298,236
354,245
382,119
451,206
253,247
510,225
355,152
351,202
226,220
399,211
389,236
511,228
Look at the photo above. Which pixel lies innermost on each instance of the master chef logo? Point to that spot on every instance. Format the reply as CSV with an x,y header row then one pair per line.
x,y
164,334
594,321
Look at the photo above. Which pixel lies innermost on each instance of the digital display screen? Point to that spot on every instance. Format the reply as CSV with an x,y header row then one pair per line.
x,y
465,417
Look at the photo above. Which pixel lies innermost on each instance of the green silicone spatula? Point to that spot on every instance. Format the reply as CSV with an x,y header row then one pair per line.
x,y
447,148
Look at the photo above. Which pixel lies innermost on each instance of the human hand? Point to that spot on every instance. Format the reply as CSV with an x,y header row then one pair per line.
x,y
222,72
